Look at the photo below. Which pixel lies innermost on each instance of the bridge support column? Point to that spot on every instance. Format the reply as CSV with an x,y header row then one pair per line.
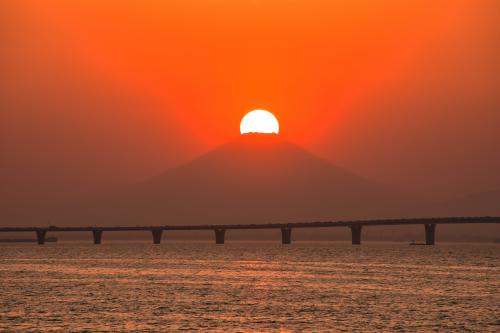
x,y
219,236
157,235
356,233
286,235
40,236
430,233
97,236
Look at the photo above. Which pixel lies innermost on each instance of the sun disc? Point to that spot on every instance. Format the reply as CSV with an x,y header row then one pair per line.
x,y
259,121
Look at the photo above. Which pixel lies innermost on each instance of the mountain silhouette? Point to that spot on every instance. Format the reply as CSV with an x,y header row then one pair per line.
x,y
254,179
477,204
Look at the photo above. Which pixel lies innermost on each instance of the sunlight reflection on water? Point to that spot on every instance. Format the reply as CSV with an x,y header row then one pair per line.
x,y
247,286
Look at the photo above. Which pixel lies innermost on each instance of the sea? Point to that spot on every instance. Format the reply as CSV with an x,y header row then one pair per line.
x,y
249,286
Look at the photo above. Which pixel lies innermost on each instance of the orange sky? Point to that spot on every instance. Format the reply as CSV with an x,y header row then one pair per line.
x,y
100,93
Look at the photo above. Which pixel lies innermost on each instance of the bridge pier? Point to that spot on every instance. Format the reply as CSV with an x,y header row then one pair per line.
x,y
97,236
156,235
40,236
286,235
430,233
356,233
219,236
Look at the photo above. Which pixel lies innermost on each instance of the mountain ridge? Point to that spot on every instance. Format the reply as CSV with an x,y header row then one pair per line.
x,y
254,179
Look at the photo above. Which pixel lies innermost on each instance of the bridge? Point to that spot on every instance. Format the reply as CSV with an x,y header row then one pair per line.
x,y
286,228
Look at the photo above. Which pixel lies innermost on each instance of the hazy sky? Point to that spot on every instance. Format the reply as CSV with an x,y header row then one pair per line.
x,y
95,94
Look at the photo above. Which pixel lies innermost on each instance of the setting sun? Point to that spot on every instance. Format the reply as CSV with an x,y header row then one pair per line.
x,y
259,121
362,194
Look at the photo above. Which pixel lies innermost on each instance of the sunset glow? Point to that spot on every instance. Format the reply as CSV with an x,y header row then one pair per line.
x,y
259,121
368,134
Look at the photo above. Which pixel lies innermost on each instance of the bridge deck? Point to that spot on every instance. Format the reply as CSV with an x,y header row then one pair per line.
x,y
318,224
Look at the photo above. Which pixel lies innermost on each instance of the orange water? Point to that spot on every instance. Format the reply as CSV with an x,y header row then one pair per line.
x,y
249,286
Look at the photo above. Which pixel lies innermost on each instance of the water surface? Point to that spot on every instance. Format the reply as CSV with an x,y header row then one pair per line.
x,y
249,286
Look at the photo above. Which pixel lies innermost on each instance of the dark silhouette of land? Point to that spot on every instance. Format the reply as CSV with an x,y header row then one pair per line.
x,y
480,203
255,179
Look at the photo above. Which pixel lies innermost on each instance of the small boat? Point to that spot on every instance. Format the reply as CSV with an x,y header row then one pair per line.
x,y
26,240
